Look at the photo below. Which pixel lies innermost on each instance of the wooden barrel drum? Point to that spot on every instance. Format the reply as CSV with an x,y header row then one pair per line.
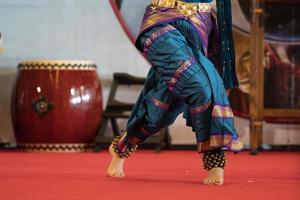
x,y
56,105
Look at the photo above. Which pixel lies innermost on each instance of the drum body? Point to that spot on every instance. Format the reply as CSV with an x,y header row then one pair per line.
x,y
56,105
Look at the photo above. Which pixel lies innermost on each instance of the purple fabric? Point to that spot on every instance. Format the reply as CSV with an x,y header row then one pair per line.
x,y
201,21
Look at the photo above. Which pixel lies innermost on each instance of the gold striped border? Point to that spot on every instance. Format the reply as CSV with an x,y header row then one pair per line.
x,y
219,141
222,111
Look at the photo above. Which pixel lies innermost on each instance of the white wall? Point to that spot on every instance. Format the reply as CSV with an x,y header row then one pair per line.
x,y
66,29
133,12
61,29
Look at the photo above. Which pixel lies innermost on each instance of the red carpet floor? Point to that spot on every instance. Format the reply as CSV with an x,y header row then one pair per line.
x,y
170,175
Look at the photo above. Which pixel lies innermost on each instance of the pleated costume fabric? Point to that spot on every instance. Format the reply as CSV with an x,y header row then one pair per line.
x,y
184,78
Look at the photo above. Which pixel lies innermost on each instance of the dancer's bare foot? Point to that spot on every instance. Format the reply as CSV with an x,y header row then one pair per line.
x,y
215,177
115,168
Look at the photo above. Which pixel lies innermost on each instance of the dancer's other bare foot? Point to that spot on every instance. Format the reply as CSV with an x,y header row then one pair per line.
x,y
115,168
215,177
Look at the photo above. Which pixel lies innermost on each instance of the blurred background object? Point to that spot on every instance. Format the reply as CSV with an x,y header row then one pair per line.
x,y
56,105
1,40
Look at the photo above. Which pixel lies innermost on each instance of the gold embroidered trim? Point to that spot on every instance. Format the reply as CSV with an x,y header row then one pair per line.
x,y
187,9
160,104
199,109
149,41
178,73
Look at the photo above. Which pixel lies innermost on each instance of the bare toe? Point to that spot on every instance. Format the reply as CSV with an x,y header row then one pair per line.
x,y
215,177
115,168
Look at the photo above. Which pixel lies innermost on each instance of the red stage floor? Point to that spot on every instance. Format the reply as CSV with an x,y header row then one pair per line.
x,y
169,175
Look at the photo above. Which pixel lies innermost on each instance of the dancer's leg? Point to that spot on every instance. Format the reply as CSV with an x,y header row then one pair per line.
x,y
214,161
198,91
160,109
160,102
116,165
180,79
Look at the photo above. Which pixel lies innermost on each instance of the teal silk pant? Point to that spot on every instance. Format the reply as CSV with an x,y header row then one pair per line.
x,y
181,80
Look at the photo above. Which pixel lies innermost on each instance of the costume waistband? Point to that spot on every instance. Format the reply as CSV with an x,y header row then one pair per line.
x,y
187,9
